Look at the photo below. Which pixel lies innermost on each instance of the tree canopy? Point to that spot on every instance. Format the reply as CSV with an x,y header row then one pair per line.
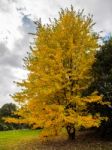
x,y
7,110
102,74
59,67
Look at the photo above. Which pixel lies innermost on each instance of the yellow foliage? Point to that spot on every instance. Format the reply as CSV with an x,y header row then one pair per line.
x,y
59,72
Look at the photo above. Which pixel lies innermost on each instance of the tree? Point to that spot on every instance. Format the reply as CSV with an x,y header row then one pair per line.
x,y
59,67
102,74
7,110
103,70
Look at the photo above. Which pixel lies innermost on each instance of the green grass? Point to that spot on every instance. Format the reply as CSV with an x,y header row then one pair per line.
x,y
28,140
11,139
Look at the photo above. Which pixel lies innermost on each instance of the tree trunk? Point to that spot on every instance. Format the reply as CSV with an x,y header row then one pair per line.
x,y
71,131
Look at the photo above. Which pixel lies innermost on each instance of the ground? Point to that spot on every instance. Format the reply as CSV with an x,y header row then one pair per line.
x,y
28,139
11,139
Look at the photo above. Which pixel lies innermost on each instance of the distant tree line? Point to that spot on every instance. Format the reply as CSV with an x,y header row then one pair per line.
x,y
7,110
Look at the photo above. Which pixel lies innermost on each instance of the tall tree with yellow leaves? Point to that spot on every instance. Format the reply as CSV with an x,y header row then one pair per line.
x,y
59,67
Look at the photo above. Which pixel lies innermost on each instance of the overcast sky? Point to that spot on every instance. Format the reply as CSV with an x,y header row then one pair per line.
x,y
16,21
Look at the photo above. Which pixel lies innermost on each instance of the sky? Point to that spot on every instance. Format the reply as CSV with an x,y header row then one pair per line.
x,y
16,22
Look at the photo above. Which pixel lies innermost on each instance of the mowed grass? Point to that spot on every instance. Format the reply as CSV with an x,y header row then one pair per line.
x,y
28,140
84,141
10,140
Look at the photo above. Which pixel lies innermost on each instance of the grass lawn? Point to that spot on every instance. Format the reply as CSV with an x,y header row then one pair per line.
x,y
28,140
84,141
9,140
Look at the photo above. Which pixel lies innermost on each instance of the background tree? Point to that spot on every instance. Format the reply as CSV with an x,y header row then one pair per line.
x,y
102,74
7,110
59,72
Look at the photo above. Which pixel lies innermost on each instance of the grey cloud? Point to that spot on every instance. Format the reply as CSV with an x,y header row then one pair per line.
x,y
28,25
6,85
10,60
3,49
13,58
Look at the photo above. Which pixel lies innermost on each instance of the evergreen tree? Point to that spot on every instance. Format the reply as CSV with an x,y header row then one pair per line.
x,y
102,69
102,74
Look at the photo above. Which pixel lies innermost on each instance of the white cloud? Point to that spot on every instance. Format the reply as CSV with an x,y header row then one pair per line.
x,y
19,73
10,23
46,9
10,14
